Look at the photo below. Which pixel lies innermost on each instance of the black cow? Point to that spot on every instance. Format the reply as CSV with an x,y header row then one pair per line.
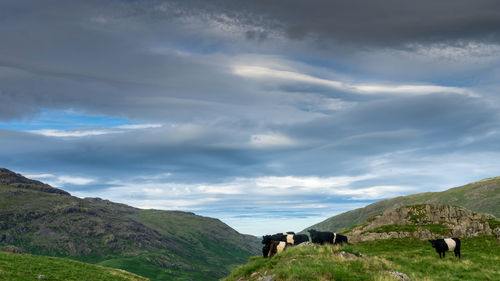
x,y
300,238
266,239
447,244
265,249
339,239
319,237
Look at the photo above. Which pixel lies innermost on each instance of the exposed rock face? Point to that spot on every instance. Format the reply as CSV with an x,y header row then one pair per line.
x,y
424,222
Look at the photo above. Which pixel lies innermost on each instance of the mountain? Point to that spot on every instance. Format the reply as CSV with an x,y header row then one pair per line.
x,y
482,196
31,267
160,245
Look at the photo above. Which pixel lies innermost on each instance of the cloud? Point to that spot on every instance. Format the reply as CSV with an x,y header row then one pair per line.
x,y
61,180
271,140
309,183
39,176
64,133
367,22
254,110
139,126
267,73
92,132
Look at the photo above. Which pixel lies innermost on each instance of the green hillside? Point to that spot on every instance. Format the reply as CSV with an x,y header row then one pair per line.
x,y
160,245
374,260
482,197
21,267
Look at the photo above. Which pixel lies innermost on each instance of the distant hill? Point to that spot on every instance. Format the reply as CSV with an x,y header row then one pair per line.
x,y
482,196
160,245
30,267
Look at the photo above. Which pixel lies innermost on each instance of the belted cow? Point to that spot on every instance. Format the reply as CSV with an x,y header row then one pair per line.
x,y
446,244
320,237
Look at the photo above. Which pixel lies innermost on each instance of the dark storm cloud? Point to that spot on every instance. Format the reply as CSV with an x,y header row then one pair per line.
x,y
379,22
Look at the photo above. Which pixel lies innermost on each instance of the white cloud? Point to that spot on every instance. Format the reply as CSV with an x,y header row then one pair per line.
x,y
74,180
271,141
221,189
72,133
309,182
408,89
139,126
375,192
92,132
39,176
61,181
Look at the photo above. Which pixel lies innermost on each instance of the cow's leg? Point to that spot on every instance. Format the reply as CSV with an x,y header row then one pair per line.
x,y
444,254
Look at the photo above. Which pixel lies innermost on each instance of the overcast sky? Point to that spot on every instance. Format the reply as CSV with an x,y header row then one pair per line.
x,y
269,115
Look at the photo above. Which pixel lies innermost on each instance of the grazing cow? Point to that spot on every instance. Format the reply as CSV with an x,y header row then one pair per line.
x,y
447,244
265,250
300,238
276,247
327,237
289,239
266,239
285,236
339,239
319,237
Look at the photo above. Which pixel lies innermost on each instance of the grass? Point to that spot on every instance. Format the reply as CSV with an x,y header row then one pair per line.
x,y
493,223
313,263
20,267
434,228
480,261
480,258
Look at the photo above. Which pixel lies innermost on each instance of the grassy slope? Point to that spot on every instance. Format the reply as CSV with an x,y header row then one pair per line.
x,y
213,256
17,267
480,261
160,245
482,196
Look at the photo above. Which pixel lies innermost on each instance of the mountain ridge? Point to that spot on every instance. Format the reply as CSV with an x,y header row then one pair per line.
x,y
8,177
160,245
481,196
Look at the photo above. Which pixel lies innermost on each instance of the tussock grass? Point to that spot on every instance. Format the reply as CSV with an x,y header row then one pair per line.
x,y
314,263
480,261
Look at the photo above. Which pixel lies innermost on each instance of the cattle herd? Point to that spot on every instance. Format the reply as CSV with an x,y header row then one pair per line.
x,y
277,243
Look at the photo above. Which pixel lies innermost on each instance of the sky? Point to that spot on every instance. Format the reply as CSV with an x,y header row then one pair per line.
x,y
268,115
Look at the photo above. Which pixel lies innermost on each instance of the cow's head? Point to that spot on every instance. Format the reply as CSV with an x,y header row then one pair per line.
x,y
433,242
266,239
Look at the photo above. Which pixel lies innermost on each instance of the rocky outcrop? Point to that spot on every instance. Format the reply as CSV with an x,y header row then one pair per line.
x,y
8,177
424,222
